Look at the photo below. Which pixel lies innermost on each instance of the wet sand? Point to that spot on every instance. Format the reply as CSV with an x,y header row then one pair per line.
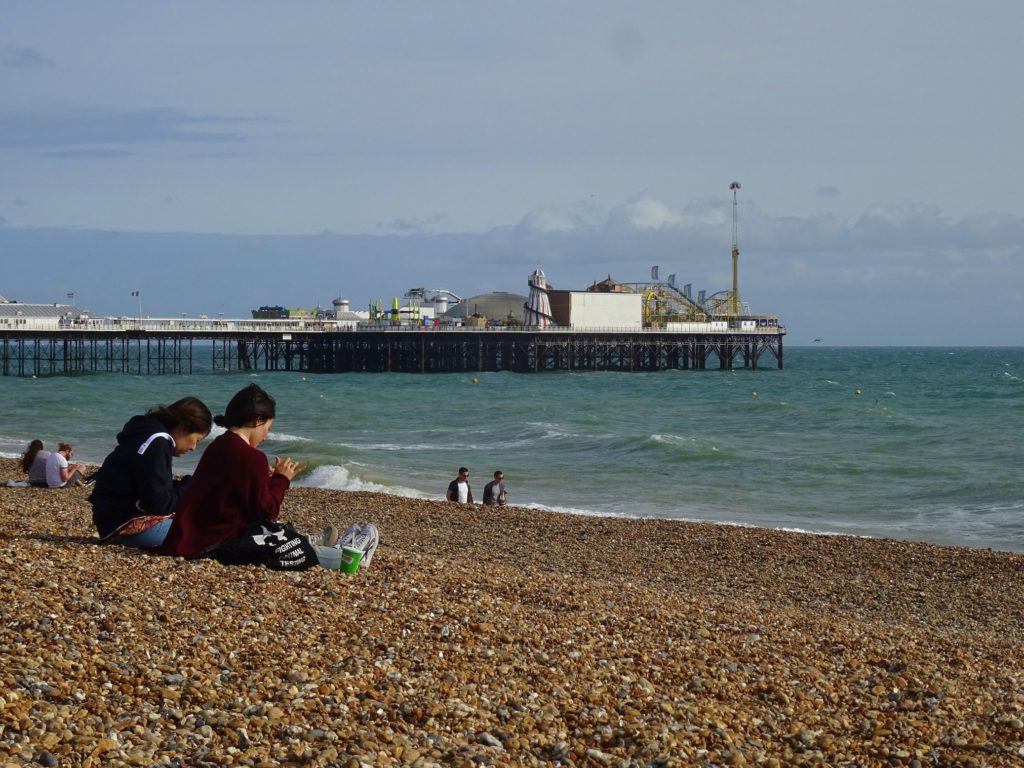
x,y
506,637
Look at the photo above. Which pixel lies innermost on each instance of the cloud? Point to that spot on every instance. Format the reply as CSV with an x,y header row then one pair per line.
x,y
827,191
902,242
913,227
644,212
544,219
906,273
19,202
73,128
24,58
408,225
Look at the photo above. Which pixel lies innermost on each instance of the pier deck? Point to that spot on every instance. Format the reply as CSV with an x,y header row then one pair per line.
x,y
415,350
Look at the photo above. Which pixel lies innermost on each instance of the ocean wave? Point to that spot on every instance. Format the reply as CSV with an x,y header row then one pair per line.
x,y
688,447
614,513
546,430
582,512
388,446
339,478
521,436
284,437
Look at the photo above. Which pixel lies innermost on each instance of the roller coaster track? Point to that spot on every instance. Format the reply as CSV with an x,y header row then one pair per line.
x,y
666,303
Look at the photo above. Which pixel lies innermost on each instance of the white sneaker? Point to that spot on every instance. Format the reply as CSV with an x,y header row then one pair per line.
x,y
326,538
348,538
367,540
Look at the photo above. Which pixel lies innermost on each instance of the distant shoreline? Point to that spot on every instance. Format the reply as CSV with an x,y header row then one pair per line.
x,y
15,473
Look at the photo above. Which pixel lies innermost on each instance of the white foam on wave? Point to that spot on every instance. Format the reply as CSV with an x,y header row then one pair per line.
x,y
284,437
805,531
340,479
388,446
552,431
15,444
684,519
581,512
679,440
573,510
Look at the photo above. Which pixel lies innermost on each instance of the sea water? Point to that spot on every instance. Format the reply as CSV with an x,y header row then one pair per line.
x,y
922,443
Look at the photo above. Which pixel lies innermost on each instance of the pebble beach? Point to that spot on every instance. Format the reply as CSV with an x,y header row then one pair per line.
x,y
506,637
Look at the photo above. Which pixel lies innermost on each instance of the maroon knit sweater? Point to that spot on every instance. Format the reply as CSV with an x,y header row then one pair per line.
x,y
231,487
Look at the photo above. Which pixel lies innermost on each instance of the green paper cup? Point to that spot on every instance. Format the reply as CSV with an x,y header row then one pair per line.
x,y
350,559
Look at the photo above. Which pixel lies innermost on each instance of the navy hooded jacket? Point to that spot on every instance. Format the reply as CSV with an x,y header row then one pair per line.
x,y
136,478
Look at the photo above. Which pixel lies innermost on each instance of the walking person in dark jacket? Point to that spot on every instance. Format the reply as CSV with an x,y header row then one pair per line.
x,y
136,495
459,490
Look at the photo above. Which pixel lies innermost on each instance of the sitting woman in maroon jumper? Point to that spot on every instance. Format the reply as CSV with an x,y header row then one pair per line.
x,y
230,507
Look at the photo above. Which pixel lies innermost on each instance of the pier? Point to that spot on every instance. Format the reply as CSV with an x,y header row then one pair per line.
x,y
184,346
652,326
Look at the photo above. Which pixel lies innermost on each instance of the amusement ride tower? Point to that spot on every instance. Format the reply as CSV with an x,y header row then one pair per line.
x,y
734,300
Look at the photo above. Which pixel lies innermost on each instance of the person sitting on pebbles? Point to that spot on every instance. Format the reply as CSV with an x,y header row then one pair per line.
x,y
60,473
34,463
136,493
231,506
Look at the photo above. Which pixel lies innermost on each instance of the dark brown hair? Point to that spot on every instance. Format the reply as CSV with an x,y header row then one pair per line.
x,y
30,455
249,405
189,414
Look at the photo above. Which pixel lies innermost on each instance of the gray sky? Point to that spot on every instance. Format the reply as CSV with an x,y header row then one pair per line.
x,y
878,145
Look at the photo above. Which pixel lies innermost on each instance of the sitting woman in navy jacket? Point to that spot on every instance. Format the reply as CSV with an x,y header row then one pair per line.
x,y
136,495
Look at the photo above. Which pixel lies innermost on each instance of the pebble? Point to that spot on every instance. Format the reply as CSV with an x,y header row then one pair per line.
x,y
489,741
720,646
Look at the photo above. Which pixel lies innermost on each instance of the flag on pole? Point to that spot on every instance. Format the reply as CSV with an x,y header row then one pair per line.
x,y
654,273
70,295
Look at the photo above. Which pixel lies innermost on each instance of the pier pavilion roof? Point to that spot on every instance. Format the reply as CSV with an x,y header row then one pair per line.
x,y
494,306
18,309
